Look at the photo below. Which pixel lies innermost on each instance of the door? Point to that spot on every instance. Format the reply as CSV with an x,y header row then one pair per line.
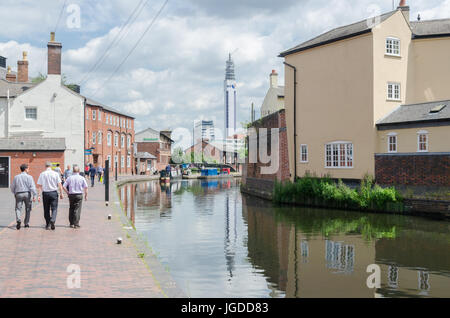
x,y
4,172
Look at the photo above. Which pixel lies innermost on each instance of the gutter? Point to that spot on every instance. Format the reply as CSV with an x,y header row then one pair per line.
x,y
295,118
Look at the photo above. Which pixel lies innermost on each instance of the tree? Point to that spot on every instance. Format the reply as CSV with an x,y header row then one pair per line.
x,y
178,155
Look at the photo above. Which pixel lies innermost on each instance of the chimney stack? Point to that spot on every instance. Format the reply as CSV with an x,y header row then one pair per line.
x,y
10,77
54,56
274,79
404,8
22,69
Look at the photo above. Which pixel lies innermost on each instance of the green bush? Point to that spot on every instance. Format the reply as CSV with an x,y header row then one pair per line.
x,y
311,190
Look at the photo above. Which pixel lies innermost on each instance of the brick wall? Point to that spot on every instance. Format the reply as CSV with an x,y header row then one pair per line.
x,y
430,169
163,156
102,150
252,171
36,164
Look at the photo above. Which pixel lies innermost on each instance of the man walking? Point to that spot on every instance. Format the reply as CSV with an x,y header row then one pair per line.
x,y
74,186
67,173
24,190
92,173
49,183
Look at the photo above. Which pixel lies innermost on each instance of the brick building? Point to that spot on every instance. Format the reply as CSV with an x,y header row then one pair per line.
x,y
254,181
156,143
109,135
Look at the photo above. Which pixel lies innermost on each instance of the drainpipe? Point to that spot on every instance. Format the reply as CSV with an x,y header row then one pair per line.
x,y
84,133
295,118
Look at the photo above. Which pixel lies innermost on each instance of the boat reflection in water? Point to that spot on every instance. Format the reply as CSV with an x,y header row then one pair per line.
x,y
218,243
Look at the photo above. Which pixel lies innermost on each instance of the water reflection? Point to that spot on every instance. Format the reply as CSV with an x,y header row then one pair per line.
x,y
267,251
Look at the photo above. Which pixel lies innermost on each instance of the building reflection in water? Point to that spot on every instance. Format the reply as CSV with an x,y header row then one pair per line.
x,y
287,243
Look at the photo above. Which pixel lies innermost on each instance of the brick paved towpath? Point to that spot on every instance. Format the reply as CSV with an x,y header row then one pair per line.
x,y
34,262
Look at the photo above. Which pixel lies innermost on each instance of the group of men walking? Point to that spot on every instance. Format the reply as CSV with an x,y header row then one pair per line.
x,y
50,189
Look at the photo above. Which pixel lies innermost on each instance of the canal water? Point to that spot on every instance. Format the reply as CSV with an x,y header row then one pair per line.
x,y
217,242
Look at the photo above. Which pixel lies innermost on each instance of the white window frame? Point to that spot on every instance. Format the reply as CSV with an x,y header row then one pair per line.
x,y
389,136
128,161
426,134
110,162
100,137
87,114
31,108
122,161
108,139
116,159
392,39
116,140
94,137
94,115
302,148
393,98
337,146
122,141
99,115
110,120
128,142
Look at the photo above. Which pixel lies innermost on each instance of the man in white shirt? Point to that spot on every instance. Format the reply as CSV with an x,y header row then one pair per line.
x,y
48,184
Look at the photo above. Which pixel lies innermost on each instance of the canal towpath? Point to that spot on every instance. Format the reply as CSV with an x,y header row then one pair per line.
x,y
37,263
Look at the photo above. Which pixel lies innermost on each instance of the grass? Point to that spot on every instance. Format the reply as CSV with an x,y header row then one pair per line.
x,y
324,192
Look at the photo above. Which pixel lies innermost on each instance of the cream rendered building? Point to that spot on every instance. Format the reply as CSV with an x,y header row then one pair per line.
x,y
352,78
274,100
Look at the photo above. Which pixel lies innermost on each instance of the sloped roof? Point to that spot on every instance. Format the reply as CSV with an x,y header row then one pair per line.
x,y
417,113
14,88
33,144
110,109
337,34
430,28
145,155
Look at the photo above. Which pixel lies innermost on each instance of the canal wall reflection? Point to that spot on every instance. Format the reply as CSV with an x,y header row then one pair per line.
x,y
295,252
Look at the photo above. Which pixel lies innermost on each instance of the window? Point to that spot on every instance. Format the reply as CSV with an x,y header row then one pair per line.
x,y
129,142
393,91
422,141
94,137
128,161
109,159
99,115
31,113
393,46
114,121
122,141
110,120
117,122
94,115
392,142
108,141
122,161
116,140
100,137
304,153
87,114
116,161
339,155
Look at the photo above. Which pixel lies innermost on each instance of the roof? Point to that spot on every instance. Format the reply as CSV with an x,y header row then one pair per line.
x,y
337,34
420,29
416,113
14,88
35,144
110,109
145,155
430,28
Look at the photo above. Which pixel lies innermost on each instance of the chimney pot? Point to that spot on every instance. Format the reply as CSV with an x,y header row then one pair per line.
x,y
54,56
402,3
22,69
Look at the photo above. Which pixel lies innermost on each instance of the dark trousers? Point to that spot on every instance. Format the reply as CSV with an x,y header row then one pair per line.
x,y
50,200
92,179
76,201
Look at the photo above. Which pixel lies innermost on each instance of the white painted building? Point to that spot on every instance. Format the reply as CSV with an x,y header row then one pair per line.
x,y
46,110
274,100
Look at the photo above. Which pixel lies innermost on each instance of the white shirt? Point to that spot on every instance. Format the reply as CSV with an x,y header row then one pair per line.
x,y
49,180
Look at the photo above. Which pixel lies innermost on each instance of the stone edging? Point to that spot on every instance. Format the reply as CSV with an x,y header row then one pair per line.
x,y
161,275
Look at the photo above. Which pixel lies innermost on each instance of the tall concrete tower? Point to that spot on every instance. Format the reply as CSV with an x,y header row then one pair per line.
x,y
230,100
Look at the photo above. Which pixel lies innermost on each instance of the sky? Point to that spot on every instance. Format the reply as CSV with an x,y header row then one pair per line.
x,y
175,74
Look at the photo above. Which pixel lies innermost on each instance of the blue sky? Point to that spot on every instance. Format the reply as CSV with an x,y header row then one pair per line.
x,y
176,73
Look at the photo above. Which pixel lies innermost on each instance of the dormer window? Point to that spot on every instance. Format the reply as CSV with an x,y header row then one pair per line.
x,y
437,109
393,46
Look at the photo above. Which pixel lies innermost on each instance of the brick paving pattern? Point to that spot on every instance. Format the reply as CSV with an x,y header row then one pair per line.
x,y
34,261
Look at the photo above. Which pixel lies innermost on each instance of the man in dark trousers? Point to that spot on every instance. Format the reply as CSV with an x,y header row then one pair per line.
x,y
75,186
49,183
92,173
24,191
